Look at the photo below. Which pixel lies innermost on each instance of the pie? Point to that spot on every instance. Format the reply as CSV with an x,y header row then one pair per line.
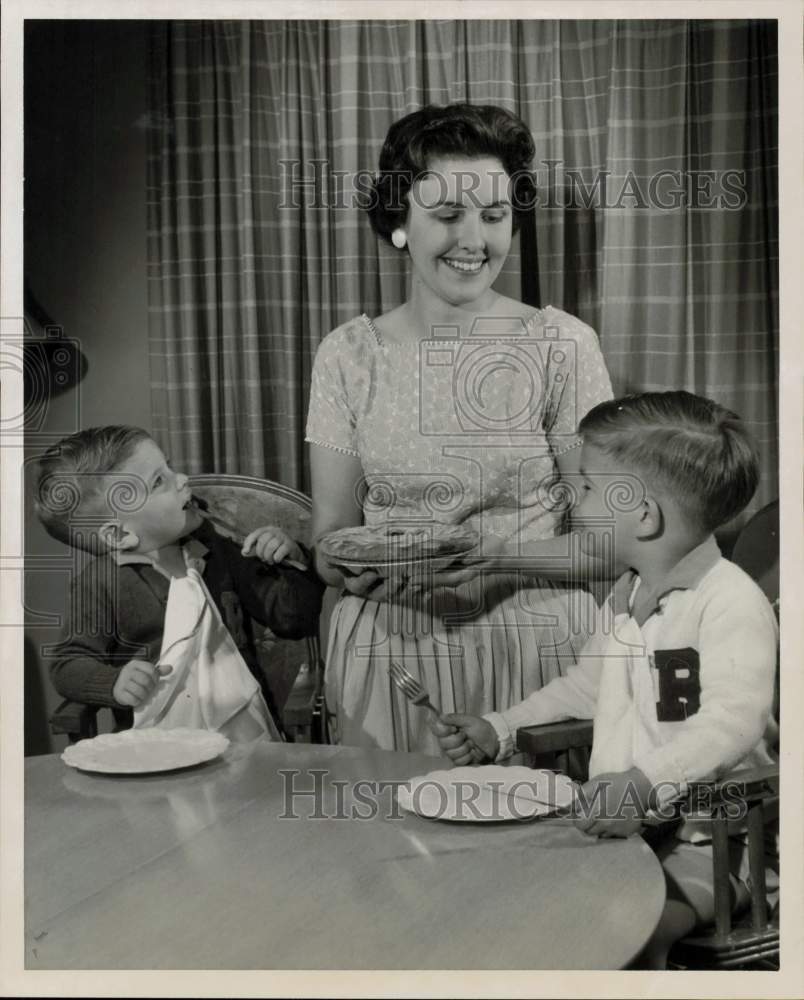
x,y
371,545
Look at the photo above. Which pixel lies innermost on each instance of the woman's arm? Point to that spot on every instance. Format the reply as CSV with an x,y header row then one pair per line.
x,y
338,489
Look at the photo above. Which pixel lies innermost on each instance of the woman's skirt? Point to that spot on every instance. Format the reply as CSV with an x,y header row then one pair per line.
x,y
476,648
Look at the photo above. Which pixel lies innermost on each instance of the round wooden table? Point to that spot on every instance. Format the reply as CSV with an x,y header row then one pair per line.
x,y
290,856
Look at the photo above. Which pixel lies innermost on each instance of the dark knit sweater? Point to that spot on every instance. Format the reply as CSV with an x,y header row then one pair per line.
x,y
117,613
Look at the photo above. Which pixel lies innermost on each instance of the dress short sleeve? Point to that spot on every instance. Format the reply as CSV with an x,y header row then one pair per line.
x,y
331,417
582,378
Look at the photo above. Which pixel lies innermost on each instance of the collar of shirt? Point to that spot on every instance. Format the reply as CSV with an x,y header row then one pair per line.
x,y
193,550
685,575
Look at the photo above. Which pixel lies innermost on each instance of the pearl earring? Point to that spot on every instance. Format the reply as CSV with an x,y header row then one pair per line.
x,y
399,239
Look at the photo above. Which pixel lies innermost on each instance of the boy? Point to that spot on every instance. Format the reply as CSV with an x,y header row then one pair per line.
x,y
159,625
682,688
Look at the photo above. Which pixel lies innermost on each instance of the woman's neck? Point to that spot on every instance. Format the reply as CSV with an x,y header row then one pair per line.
x,y
425,310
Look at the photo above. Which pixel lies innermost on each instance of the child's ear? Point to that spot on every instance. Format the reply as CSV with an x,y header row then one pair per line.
x,y
651,519
118,537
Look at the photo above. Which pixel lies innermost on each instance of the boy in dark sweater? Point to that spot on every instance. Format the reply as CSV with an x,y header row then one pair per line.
x,y
110,490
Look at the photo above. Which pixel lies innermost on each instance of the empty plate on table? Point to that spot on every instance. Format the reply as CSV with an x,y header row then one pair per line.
x,y
145,751
389,545
486,794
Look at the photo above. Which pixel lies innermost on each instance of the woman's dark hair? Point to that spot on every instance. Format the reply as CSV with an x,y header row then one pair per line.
x,y
457,130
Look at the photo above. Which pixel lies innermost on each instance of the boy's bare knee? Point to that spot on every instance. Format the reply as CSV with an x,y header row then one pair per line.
x,y
677,920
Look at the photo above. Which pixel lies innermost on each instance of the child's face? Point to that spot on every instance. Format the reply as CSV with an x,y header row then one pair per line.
x,y
163,512
610,502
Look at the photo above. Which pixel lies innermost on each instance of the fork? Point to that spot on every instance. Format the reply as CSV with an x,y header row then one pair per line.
x,y
410,687
415,693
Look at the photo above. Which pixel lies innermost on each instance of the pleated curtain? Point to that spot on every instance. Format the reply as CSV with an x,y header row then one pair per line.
x,y
656,221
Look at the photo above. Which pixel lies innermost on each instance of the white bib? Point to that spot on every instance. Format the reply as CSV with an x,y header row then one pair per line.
x,y
209,685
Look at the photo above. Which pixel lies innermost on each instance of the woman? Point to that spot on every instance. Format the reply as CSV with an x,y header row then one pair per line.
x,y
458,406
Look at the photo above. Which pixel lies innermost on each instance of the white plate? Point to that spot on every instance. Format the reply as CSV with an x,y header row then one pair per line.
x,y
487,794
145,751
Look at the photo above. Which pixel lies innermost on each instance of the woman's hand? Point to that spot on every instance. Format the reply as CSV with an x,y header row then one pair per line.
x,y
451,576
400,585
372,585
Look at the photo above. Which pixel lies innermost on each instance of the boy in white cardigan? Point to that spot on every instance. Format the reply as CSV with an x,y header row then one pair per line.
x,y
681,687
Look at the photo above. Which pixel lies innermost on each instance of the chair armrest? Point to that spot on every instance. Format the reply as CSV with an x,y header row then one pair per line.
x,y
558,746
754,784
76,720
554,737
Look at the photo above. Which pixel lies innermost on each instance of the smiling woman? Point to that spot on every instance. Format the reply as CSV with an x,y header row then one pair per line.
x,y
458,229
459,406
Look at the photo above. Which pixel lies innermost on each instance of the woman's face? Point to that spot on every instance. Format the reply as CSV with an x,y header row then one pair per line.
x,y
459,227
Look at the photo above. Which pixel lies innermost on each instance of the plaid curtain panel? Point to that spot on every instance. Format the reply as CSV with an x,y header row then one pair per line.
x,y
656,220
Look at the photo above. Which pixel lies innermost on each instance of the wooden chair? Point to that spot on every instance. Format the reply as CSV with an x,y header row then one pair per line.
x,y
752,941
294,668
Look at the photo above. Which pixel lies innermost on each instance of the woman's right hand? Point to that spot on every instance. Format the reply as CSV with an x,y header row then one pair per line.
x,y
401,586
373,586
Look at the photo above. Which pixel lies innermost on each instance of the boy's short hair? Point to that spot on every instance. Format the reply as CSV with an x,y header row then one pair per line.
x,y
689,447
70,481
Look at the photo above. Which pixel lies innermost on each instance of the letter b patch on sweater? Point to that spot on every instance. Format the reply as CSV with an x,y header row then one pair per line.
x,y
679,683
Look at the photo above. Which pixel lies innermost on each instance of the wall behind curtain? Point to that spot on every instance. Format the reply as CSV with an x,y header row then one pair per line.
x,y
260,134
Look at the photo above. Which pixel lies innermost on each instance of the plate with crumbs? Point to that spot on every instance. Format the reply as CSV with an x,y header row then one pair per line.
x,y
145,751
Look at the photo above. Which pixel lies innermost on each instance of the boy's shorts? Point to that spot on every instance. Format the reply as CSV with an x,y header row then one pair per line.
x,y
688,870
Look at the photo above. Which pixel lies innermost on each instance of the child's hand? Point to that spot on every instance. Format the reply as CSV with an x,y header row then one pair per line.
x,y
136,681
272,545
462,736
613,804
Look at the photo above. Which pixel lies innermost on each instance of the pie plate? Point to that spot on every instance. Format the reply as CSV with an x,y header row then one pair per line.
x,y
432,545
487,794
145,751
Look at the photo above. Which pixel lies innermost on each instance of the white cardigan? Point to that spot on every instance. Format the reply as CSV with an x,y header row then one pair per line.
x,y
684,693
